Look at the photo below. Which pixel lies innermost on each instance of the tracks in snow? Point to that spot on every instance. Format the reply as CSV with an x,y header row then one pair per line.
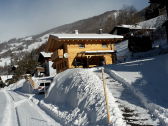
x,y
133,111
28,114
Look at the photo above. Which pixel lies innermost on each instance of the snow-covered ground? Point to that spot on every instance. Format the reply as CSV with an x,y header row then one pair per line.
x,y
16,44
28,114
136,90
133,111
3,51
3,109
76,97
5,61
37,44
19,110
26,44
147,79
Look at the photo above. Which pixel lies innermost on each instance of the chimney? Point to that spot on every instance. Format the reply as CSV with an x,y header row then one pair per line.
x,y
100,31
76,32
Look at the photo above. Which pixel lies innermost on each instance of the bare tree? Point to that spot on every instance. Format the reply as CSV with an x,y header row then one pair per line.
x,y
127,15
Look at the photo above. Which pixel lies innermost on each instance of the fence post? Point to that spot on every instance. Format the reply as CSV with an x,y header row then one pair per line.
x,y
106,96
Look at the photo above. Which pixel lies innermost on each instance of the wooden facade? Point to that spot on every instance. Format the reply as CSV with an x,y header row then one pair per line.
x,y
71,51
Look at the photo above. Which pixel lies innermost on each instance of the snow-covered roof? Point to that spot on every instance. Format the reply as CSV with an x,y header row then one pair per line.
x,y
99,51
6,77
136,27
44,54
87,36
130,26
154,22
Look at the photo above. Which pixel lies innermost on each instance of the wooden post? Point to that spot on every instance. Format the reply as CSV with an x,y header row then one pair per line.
x,y
45,89
106,96
87,63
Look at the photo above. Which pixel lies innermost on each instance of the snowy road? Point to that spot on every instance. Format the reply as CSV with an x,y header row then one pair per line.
x,y
22,111
3,102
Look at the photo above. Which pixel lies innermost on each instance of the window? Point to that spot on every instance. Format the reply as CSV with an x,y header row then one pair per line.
x,y
81,45
104,45
41,84
47,84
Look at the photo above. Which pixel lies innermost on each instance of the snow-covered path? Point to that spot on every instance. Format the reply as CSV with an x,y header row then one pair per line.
x,y
134,113
3,102
24,112
7,115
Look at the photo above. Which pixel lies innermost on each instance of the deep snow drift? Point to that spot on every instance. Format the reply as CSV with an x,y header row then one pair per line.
x,y
21,86
148,79
76,98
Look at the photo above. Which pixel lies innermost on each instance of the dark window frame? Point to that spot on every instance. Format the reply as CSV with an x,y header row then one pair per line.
x,y
81,45
104,45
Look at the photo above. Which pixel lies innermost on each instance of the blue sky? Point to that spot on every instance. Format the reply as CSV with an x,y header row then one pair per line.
x,y
26,17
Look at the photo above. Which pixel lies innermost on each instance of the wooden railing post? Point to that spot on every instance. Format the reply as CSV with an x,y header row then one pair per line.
x,y
106,96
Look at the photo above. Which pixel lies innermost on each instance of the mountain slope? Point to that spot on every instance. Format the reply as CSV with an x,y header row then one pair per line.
x,y
90,25
16,48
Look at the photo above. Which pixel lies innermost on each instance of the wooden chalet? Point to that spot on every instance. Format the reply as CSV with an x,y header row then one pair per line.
x,y
81,50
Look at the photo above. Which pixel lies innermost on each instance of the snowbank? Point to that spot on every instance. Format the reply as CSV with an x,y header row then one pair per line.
x,y
22,86
76,98
27,88
148,81
16,85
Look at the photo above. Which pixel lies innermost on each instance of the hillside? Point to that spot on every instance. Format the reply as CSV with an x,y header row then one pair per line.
x,y
13,49
90,25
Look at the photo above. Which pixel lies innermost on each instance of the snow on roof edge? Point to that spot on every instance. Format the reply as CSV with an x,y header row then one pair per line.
x,y
45,54
136,26
86,36
99,51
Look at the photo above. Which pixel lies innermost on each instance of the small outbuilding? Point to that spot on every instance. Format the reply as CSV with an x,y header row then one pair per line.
x,y
139,39
45,68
